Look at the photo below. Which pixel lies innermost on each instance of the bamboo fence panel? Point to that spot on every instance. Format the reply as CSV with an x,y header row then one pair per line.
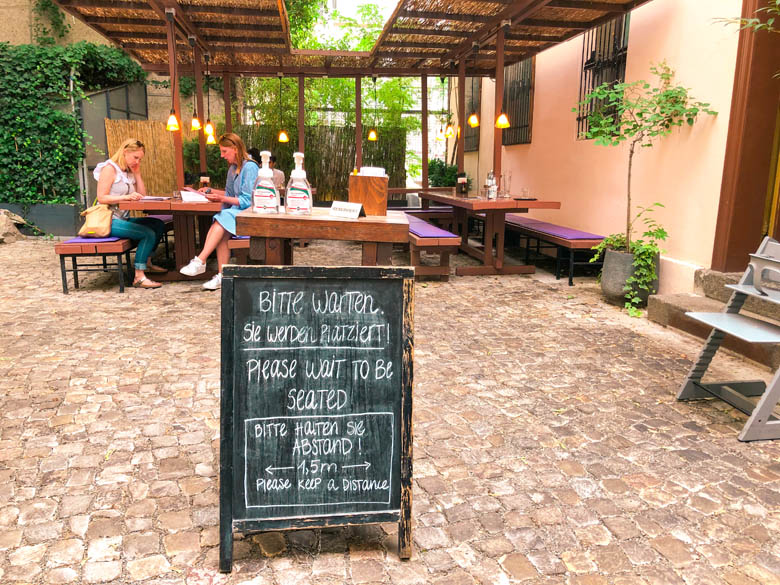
x,y
158,167
330,154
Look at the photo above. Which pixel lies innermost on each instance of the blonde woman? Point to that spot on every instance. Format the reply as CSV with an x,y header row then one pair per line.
x,y
241,178
119,179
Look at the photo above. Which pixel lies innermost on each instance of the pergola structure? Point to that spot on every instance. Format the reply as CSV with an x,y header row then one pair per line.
x,y
421,38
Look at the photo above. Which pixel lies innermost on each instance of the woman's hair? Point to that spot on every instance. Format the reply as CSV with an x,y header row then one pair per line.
x,y
234,141
131,144
254,153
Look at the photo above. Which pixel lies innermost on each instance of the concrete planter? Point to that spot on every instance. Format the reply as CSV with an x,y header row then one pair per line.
x,y
618,267
55,218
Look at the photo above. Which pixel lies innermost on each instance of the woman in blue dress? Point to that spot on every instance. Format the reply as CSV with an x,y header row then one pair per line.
x,y
241,178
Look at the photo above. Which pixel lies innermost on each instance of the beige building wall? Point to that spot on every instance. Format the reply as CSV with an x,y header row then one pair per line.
x,y
683,171
20,12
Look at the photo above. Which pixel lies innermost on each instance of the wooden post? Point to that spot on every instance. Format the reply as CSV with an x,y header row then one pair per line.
x,y
226,79
301,80
199,103
424,107
178,150
461,130
358,123
499,103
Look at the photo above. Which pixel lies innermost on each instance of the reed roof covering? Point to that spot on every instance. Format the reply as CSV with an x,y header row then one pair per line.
x,y
251,37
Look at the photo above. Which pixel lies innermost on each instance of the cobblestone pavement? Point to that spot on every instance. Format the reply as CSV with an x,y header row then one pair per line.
x,y
549,447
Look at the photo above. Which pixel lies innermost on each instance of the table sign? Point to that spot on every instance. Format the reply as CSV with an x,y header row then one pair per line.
x,y
316,403
347,210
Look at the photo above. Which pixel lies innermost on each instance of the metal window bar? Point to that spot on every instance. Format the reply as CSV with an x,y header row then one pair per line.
x,y
473,101
519,101
604,51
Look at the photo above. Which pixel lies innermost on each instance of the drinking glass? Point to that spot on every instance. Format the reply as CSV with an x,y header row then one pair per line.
x,y
525,193
508,187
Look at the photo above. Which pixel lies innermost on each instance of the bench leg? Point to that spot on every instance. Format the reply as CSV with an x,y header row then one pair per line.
x,y
75,266
558,260
444,260
64,275
571,267
121,270
129,264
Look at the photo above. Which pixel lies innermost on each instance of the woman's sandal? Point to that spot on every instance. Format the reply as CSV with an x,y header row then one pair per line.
x,y
156,269
144,282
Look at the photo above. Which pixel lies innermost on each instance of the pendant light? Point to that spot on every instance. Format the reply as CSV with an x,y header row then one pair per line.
x,y
473,120
283,137
195,124
372,134
173,122
502,121
440,134
208,129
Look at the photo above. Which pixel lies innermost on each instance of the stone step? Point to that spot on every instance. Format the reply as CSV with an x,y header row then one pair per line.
x,y
669,310
712,284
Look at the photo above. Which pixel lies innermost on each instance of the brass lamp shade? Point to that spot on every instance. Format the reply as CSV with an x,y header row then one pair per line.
x,y
208,129
173,122
283,136
210,139
195,123
449,132
502,121
372,136
473,120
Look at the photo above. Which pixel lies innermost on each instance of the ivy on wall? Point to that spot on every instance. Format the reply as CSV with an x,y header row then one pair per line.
x,y
49,23
41,139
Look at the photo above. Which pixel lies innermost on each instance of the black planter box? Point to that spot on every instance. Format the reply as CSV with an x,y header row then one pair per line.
x,y
56,218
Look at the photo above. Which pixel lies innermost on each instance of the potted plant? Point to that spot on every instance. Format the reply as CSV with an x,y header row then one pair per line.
x,y
637,113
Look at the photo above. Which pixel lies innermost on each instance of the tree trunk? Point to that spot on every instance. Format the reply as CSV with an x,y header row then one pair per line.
x,y
240,100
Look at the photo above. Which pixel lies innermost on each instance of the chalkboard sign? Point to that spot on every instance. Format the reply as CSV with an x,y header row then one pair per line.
x,y
316,399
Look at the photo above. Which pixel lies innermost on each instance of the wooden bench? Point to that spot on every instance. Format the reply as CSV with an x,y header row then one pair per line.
x,y
76,248
425,237
239,245
568,242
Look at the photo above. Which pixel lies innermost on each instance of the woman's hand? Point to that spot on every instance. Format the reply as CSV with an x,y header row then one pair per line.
x,y
135,196
215,197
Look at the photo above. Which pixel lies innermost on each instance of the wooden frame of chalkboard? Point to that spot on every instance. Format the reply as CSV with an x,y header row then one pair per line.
x,y
316,400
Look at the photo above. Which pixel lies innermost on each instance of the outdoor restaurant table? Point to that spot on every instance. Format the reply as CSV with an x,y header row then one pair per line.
x,y
184,214
495,211
271,234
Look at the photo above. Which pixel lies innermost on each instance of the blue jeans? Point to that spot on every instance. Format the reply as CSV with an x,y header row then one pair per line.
x,y
145,231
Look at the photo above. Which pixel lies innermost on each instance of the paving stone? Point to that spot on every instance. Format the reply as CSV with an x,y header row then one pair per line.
x,y
61,575
271,544
148,567
65,552
102,572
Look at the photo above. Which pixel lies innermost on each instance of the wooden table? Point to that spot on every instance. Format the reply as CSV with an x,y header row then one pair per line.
x,y
495,211
184,214
272,234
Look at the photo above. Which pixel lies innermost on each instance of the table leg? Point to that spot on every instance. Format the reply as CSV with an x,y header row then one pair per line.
x,y
184,238
274,251
494,228
384,254
369,254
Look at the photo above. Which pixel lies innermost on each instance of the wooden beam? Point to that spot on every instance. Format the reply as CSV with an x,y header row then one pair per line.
x,y
272,70
557,23
321,53
203,24
227,79
301,112
232,10
456,17
410,45
408,55
519,10
461,131
510,36
424,113
385,31
499,103
428,32
100,20
588,5
231,40
105,4
186,25
284,19
198,71
358,123
178,150
97,28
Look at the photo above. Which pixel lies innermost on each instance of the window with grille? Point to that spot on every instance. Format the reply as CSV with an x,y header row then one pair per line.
x,y
473,103
603,61
519,101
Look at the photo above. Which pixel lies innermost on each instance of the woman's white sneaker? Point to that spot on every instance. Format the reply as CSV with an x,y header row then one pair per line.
x,y
214,283
194,268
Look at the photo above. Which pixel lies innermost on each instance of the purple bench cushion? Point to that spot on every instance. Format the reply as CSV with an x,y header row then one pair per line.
x,y
519,219
79,240
239,237
422,229
163,218
563,232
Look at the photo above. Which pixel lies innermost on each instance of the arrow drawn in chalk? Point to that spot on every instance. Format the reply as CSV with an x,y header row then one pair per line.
x,y
365,464
270,470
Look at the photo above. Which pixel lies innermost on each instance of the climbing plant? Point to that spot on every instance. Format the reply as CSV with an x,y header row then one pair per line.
x,y
49,23
41,139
